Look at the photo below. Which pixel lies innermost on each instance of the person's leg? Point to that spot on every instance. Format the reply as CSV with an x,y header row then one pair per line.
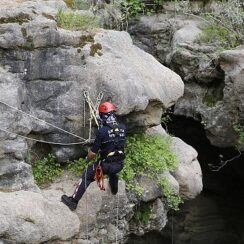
x,y
86,179
112,169
113,182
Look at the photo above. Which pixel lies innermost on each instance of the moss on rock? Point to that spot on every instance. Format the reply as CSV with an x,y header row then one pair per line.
x,y
94,49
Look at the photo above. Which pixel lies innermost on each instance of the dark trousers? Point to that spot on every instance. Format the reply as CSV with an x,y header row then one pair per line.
x,y
109,168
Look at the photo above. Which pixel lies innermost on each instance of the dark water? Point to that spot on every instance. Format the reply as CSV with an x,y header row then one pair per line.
x,y
216,216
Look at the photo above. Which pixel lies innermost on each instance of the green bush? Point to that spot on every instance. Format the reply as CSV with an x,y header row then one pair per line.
x,y
219,35
143,213
224,25
132,8
73,21
46,169
149,156
172,197
76,167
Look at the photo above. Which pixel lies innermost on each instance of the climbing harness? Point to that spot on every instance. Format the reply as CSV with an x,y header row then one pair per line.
x,y
117,151
99,177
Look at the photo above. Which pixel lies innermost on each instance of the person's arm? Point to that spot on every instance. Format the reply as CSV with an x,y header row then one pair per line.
x,y
95,148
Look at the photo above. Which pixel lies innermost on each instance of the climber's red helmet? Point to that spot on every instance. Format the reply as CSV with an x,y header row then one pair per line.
x,y
106,107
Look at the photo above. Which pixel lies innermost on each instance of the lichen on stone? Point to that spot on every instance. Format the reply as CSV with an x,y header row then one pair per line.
x,y
84,39
94,49
20,18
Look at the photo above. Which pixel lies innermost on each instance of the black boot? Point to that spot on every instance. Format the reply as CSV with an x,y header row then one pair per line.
x,y
70,202
113,182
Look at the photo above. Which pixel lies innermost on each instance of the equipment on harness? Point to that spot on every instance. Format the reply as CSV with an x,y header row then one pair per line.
x,y
118,152
99,177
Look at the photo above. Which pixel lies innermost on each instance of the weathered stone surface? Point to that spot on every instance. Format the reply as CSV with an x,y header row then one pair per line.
x,y
97,210
27,217
188,174
172,41
157,218
104,216
232,62
187,34
16,175
213,80
220,107
17,148
152,191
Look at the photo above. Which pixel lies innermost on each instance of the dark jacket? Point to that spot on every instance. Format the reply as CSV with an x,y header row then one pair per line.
x,y
108,141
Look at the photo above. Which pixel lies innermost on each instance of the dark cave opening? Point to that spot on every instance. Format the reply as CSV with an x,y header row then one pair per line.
x,y
220,166
217,213
216,216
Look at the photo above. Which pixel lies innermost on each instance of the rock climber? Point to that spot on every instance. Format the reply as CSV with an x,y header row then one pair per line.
x,y
109,143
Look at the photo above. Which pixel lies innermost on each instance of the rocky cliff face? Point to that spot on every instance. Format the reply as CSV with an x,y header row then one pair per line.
x,y
213,80
44,71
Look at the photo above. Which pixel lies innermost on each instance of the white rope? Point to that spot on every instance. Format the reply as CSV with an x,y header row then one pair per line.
x,y
42,121
84,113
90,126
43,141
86,206
91,107
99,99
117,220
172,229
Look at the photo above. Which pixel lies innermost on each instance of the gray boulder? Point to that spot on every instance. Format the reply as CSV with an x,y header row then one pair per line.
x,y
105,217
188,174
232,62
16,175
219,108
102,215
26,217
